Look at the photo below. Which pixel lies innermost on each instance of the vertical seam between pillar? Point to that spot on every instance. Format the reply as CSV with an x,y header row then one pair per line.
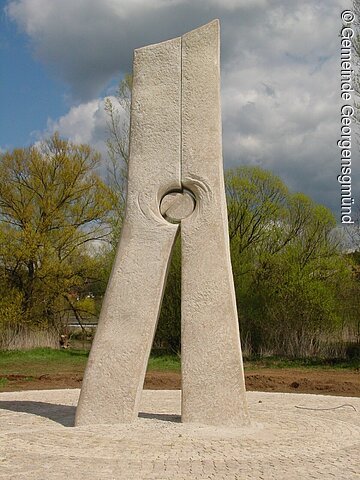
x,y
181,112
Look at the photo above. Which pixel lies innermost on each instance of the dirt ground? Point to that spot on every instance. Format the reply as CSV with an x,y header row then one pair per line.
x,y
345,383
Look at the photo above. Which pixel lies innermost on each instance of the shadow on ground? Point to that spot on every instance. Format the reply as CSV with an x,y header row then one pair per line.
x,y
63,414
164,417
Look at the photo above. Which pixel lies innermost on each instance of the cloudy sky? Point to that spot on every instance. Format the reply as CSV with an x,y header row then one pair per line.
x,y
280,76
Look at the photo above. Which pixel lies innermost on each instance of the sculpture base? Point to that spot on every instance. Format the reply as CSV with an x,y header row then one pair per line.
x,y
285,442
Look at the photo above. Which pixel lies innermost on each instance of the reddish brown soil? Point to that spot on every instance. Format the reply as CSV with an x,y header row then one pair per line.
x,y
324,382
345,383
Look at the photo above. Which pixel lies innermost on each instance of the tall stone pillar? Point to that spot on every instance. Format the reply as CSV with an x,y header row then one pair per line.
x,y
175,183
213,387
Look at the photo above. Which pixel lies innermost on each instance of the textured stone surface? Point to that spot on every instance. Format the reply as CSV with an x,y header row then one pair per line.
x,y
175,158
116,368
176,206
285,442
212,372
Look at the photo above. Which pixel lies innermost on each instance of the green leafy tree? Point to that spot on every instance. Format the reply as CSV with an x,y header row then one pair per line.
x,y
53,207
168,333
118,124
288,269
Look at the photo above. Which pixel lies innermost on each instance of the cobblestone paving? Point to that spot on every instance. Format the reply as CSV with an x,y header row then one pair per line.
x,y
283,442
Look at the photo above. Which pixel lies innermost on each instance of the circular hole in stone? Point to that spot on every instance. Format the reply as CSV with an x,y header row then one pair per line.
x,y
177,205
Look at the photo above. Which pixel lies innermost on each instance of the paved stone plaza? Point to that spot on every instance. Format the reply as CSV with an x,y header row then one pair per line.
x,y
37,440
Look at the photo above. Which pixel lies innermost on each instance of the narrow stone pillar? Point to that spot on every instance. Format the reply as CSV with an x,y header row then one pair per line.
x,y
213,387
116,367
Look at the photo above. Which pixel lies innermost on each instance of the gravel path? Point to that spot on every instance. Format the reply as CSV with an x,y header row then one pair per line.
x,y
283,442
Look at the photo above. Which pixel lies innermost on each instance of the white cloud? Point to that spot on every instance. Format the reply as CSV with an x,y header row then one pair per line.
x,y
280,73
84,123
78,124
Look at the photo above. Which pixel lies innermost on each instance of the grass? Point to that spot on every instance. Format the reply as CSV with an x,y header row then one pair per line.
x,y
3,382
301,363
45,361
164,363
42,361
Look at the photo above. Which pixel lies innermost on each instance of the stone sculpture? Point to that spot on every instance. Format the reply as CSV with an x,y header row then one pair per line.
x,y
175,183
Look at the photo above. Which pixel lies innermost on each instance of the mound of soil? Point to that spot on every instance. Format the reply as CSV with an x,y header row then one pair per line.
x,y
345,383
324,382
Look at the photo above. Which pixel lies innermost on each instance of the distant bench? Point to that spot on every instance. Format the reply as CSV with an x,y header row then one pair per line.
x,y
85,325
